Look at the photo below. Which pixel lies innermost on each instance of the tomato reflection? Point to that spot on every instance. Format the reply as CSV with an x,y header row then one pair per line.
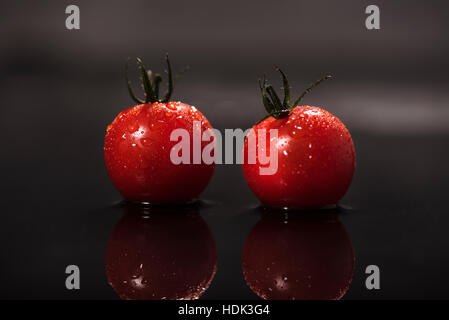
x,y
160,253
298,256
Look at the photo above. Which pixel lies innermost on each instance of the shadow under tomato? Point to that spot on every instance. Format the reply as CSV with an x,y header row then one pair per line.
x,y
162,252
299,256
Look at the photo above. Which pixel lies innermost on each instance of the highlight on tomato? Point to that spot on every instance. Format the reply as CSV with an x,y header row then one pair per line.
x,y
137,146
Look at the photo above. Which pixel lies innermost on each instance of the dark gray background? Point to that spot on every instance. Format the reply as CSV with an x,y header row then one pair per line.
x,y
59,89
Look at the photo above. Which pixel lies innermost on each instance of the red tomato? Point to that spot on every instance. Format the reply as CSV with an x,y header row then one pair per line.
x,y
160,253
315,152
302,257
137,149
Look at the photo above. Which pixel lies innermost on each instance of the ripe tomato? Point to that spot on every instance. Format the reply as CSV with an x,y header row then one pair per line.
x,y
305,257
315,152
160,253
137,148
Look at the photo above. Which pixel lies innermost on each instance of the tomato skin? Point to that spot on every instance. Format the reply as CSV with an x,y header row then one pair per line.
x,y
137,154
316,161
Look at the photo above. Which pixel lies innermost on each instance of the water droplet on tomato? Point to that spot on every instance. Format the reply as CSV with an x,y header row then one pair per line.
x,y
145,142
156,126
171,106
132,128
180,121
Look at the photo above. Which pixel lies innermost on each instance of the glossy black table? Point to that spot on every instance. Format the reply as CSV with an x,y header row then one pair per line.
x,y
389,218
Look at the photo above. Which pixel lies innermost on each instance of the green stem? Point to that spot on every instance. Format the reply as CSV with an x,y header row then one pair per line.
x,y
128,83
313,85
286,89
150,83
272,102
170,80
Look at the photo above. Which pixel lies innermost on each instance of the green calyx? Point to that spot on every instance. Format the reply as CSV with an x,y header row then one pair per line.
x,y
150,83
272,102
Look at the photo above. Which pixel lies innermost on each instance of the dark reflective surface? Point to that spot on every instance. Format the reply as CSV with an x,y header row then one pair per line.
x,y
297,256
160,253
59,90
